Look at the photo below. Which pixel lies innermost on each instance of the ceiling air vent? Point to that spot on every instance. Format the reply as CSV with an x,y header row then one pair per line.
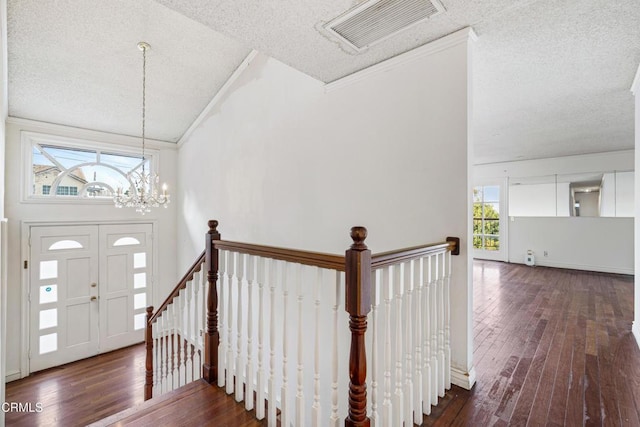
x,y
375,20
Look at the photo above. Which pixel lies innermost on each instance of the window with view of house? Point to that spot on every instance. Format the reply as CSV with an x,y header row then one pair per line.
x,y
79,171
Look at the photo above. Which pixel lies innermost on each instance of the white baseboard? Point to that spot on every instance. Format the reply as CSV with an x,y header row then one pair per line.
x,y
463,379
635,328
584,267
12,376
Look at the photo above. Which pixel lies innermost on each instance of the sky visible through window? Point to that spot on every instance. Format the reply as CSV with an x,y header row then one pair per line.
x,y
83,167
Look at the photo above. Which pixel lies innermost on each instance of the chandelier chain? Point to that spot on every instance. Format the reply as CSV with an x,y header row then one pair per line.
x,y
144,101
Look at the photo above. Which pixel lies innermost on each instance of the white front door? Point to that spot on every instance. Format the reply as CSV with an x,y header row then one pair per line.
x,y
125,271
89,287
63,295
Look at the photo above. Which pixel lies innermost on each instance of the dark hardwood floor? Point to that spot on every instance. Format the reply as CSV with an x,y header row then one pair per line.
x,y
552,347
79,393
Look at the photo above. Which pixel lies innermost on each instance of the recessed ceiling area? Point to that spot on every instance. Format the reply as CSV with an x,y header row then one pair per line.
x,y
549,78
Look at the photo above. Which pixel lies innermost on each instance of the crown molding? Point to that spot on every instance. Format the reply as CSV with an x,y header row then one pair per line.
x,y
635,86
218,96
86,134
462,36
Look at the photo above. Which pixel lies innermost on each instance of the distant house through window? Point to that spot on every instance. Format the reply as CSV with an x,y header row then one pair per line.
x,y
80,170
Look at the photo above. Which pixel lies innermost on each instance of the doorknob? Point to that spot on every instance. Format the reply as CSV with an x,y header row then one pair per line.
x,y
93,285
94,298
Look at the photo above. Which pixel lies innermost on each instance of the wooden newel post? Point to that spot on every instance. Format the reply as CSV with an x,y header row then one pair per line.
x,y
211,336
358,304
148,364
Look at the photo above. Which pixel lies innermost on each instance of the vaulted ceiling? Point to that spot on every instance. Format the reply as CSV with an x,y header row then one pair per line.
x,y
550,78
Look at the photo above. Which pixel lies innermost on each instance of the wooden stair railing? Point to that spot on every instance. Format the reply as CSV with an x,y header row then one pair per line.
x,y
415,280
152,319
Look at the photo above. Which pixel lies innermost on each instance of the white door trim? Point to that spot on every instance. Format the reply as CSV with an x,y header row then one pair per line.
x,y
25,254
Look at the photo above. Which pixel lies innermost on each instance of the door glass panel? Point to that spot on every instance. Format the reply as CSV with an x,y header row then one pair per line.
x,y
139,301
48,343
48,293
126,241
49,318
139,321
65,244
140,260
48,269
139,280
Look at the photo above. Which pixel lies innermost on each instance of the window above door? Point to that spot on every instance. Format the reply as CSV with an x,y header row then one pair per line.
x,y
65,170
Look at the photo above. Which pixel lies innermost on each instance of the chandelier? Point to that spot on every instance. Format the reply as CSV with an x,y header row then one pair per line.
x,y
143,192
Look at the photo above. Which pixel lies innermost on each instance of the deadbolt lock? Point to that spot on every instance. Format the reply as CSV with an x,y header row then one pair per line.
x,y
94,298
93,285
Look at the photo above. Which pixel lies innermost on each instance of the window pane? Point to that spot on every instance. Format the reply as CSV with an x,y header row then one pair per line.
x,y
48,293
124,163
48,318
40,159
491,210
139,280
492,193
477,242
48,343
48,269
492,226
104,177
491,243
477,226
69,157
139,301
477,194
477,210
140,260
139,321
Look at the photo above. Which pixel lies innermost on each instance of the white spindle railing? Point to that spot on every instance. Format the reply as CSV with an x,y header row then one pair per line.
x,y
410,315
277,312
176,335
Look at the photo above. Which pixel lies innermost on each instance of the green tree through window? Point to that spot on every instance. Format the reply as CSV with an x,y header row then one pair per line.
x,y
486,218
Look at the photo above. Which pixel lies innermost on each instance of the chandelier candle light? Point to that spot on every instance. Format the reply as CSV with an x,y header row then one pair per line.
x,y
143,192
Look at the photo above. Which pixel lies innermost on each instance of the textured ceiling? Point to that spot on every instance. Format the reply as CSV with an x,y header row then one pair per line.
x,y
77,63
550,78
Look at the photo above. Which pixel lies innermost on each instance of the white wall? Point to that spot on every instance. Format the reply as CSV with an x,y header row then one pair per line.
x,y
280,161
559,241
17,212
636,323
3,269
585,243
539,200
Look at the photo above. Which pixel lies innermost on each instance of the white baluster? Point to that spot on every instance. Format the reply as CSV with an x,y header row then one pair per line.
x,y
223,288
416,269
162,350
334,420
182,339
197,322
229,267
187,330
407,280
375,417
284,394
316,411
260,382
398,400
273,279
447,323
168,341
156,351
239,271
426,336
441,373
251,277
433,284
300,374
175,349
387,291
